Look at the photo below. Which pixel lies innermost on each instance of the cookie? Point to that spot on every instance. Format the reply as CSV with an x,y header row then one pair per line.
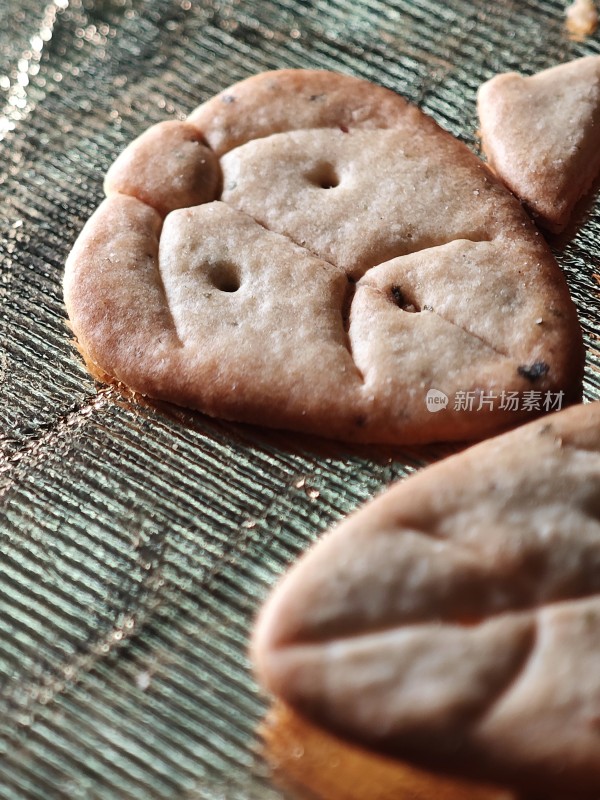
x,y
581,19
541,136
320,256
454,622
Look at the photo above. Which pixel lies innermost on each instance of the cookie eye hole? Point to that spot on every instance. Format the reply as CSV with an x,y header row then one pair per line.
x,y
225,277
398,298
324,176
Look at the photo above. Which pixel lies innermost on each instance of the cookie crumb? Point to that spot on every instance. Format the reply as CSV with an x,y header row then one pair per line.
x,y
582,18
143,680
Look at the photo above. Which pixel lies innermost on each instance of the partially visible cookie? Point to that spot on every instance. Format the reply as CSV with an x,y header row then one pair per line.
x,y
541,136
455,620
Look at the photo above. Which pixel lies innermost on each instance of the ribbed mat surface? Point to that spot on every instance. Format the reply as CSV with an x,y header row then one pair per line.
x,y
137,544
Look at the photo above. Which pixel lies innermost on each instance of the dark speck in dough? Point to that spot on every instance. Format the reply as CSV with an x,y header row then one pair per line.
x,y
536,370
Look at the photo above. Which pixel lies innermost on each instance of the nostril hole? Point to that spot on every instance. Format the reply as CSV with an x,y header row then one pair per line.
x,y
324,176
224,277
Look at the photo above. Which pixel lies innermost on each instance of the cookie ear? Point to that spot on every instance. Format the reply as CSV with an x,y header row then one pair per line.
x,y
168,167
541,136
452,621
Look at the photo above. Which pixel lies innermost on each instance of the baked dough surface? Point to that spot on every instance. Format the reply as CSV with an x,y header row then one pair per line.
x,y
308,251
